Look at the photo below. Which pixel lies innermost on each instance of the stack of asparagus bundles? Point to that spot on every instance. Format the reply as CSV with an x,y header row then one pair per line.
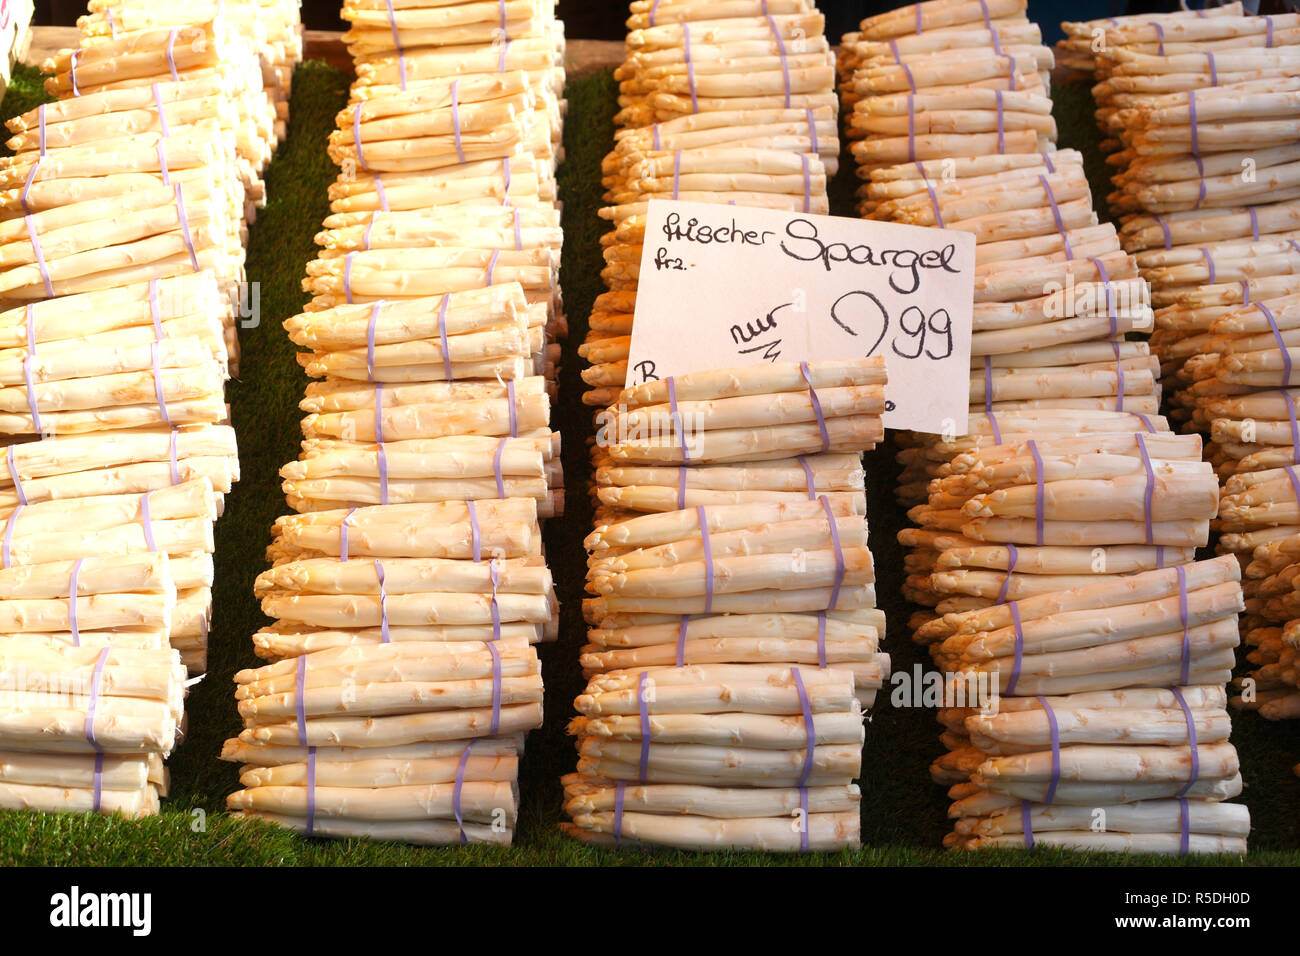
x,y
723,101
1101,721
409,586
272,27
1078,51
90,692
734,639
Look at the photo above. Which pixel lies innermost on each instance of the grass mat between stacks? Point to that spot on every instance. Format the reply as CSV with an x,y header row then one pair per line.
x,y
903,813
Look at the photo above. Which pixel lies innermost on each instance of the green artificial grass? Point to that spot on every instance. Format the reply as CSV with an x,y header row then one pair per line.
x,y
904,815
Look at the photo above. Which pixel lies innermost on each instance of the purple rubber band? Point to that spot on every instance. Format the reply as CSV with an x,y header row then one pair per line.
x,y
1119,378
918,19
654,137
1295,246
1040,480
619,790
501,61
1056,214
643,708
1047,161
379,414
501,5
1281,343
27,186
158,105
491,266
808,477
456,790
397,43
1200,173
514,411
96,687
681,487
907,70
383,604
155,314
347,277
675,417
690,67
383,195
1014,679
1209,263
299,700
1056,750
442,338
1214,73
162,163
1164,226
381,461
1185,666
40,122
171,54
1295,429
807,183
1149,494
1245,292
1110,302
821,639
988,399
1011,72
1191,742
519,236
370,339
157,383
72,602
475,533
172,457
505,173
809,728
1002,142
7,553
98,784
839,553
911,128
455,119
343,534
1254,223
112,27
708,558
1268,37
681,640
147,522
1160,38
654,8
816,405
934,200
1027,824
496,468
1146,423
677,172
40,256
311,790
13,476
1013,557
72,71
812,131
32,401
1184,823
494,575
356,136
780,46
185,227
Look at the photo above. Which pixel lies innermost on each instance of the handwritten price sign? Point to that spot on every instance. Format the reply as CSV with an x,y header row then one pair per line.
x,y
723,286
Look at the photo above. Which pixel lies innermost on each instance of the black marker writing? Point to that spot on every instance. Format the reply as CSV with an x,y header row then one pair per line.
x,y
906,265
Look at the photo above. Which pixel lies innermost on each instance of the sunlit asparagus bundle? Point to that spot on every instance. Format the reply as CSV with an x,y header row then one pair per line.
x,y
725,756
272,26
90,694
382,740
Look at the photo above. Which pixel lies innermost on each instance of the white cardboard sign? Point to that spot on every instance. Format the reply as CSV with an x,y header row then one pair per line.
x,y
724,286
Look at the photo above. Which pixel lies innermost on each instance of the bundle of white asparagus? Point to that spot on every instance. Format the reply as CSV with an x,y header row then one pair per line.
x,y
734,641
90,692
722,102
408,588
1105,697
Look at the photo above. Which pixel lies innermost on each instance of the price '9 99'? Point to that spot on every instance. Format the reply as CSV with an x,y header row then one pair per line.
x,y
864,316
